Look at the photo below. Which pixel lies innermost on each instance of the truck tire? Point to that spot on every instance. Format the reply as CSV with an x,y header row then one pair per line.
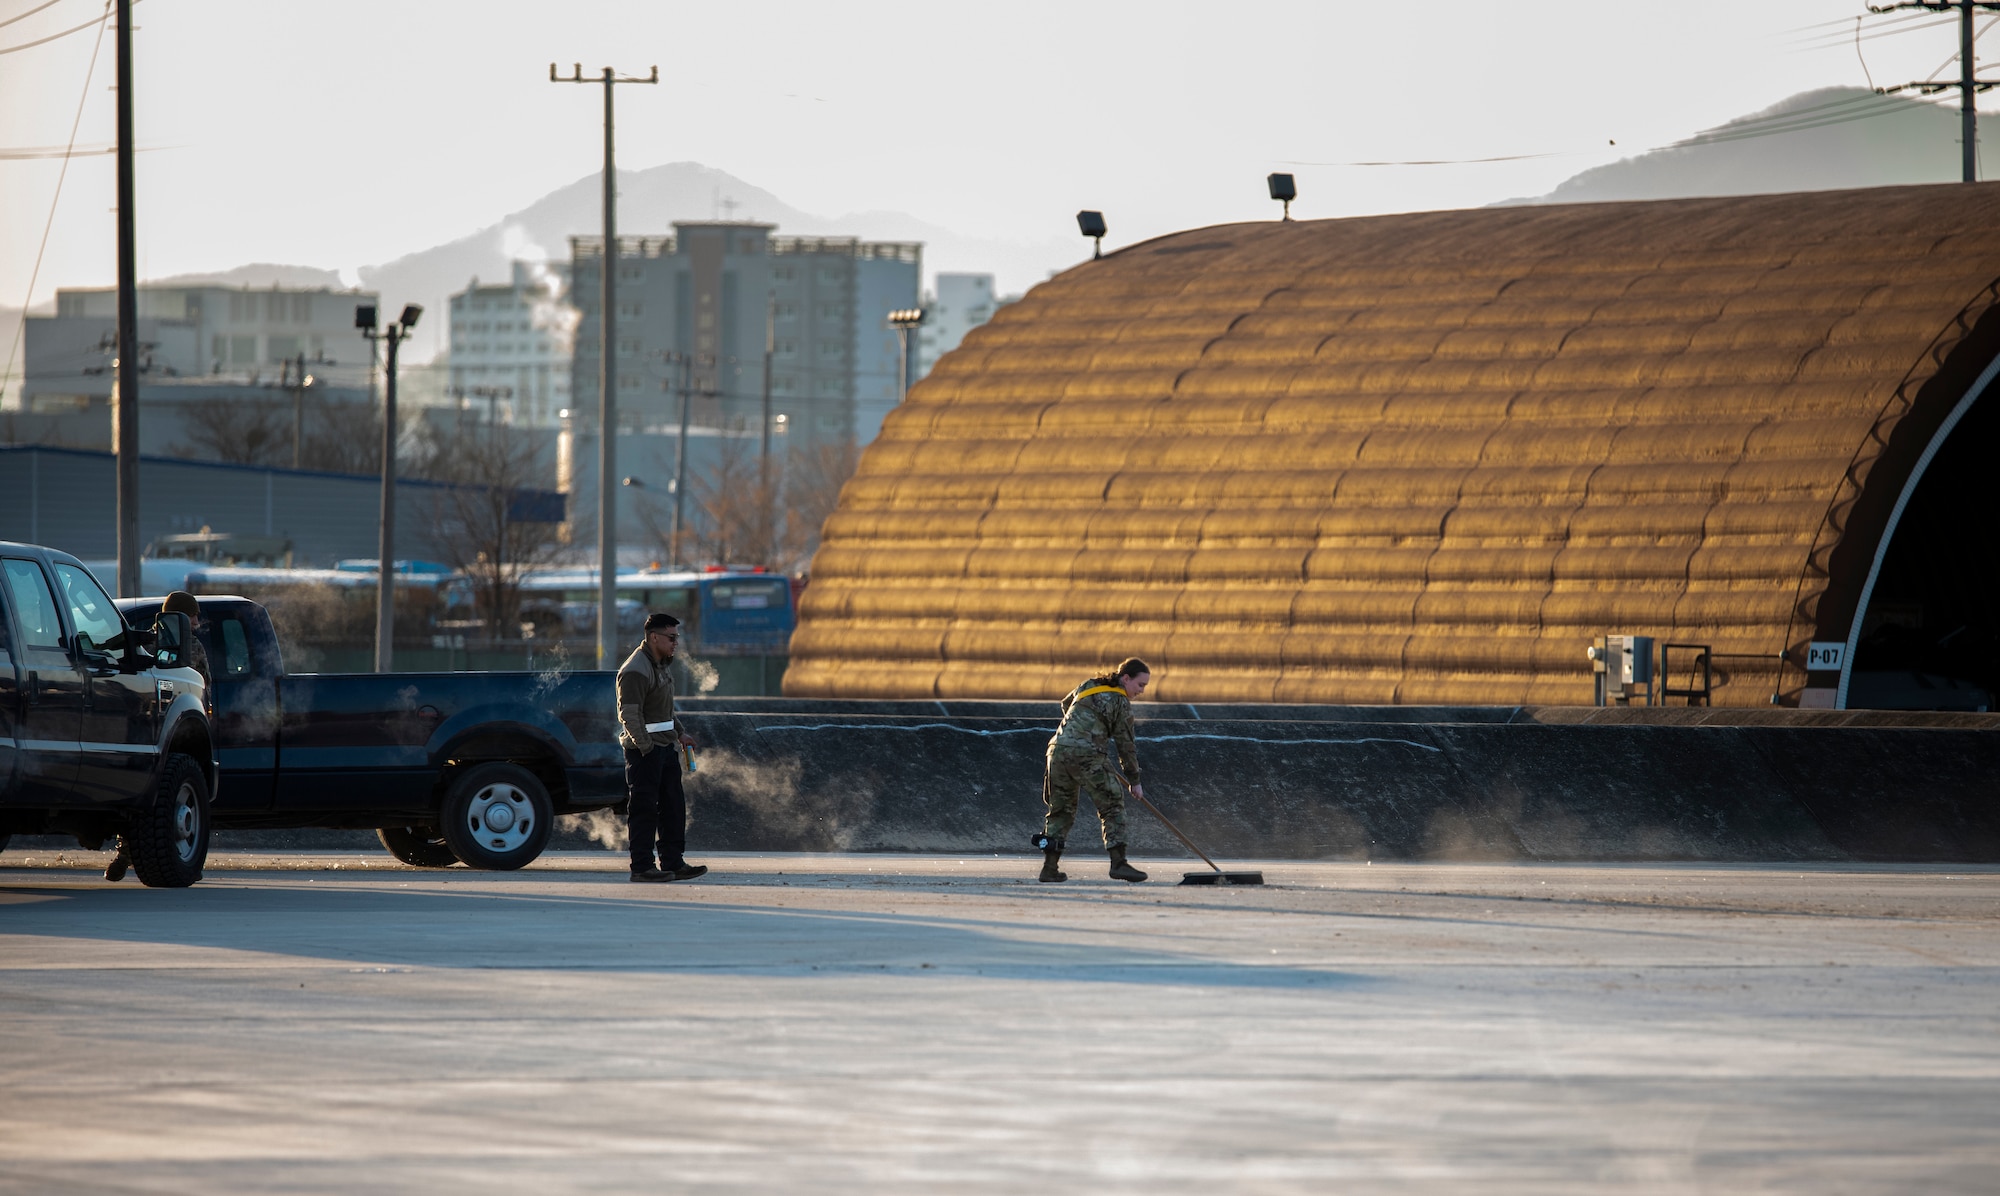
x,y
168,842
418,846
497,817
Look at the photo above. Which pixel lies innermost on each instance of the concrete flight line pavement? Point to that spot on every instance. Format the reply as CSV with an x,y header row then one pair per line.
x,y
335,1023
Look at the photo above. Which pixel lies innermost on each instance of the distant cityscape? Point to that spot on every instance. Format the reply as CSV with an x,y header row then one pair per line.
x,y
278,377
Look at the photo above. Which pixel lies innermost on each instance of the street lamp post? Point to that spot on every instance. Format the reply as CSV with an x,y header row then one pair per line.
x,y
385,563
904,321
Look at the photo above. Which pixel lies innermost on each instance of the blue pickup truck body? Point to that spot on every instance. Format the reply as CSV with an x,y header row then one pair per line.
x,y
382,750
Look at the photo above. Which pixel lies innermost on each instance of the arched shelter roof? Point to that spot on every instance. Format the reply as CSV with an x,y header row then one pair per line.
x,y
1414,459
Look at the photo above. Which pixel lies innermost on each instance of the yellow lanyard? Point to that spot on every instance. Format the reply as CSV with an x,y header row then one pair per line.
x,y
1099,689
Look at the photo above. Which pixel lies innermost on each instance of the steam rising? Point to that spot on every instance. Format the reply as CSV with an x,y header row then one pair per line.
x,y
549,309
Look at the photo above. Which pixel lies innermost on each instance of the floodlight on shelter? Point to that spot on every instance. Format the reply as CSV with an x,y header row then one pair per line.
x,y
1091,224
1284,190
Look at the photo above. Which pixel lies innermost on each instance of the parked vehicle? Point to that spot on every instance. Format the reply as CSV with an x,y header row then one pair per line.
x,y
445,767
722,612
103,726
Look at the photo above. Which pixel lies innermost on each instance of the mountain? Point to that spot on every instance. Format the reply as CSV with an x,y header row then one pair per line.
x,y
1824,140
260,274
649,201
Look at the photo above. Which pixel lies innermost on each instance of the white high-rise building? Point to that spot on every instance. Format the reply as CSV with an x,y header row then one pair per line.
x,y
511,345
962,302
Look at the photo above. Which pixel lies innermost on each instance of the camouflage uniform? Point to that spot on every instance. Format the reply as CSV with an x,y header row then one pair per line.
x,y
1078,760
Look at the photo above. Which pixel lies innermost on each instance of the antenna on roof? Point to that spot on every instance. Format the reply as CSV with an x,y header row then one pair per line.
x,y
1092,226
1282,188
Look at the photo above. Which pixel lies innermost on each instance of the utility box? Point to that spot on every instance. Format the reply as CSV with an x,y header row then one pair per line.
x,y
1621,667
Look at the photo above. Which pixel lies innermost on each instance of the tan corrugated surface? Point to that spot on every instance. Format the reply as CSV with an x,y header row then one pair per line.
x,y
1404,459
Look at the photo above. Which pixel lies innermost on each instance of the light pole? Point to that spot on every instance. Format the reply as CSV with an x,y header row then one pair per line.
x,y
385,563
904,321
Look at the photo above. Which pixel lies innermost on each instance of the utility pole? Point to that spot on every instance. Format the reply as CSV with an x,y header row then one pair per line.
x,y
126,416
770,351
385,562
1968,84
681,456
607,378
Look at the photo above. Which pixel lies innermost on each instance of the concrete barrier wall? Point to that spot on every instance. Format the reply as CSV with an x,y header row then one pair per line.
x,y
1355,783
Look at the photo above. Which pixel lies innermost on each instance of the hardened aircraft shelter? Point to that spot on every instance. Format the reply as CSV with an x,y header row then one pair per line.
x,y
1425,459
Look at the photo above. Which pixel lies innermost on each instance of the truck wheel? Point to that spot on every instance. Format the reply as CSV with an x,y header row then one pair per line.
x,y
497,817
168,842
418,846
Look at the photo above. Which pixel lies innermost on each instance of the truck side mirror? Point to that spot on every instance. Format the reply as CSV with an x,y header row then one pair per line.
x,y
171,632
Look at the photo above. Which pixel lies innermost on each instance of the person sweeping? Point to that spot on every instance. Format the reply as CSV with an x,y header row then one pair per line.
x,y
1095,715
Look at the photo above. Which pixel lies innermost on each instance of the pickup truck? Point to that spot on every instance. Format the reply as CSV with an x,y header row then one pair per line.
x,y
446,768
103,726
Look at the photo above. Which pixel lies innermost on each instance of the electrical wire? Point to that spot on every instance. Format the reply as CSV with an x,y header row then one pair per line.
x,y
1976,35
1797,121
55,36
1830,41
34,275
31,12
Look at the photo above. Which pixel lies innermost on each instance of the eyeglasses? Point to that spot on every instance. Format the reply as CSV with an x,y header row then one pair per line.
x,y
665,635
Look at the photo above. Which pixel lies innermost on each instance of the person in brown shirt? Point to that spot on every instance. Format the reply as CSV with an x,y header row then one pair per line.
x,y
656,805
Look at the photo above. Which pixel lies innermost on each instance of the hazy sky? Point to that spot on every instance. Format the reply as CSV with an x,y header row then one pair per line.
x,y
343,134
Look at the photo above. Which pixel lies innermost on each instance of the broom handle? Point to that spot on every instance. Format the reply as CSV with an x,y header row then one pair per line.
x,y
1163,820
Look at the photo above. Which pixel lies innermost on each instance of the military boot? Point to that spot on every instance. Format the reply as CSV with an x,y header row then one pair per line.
x,y
1120,870
1050,873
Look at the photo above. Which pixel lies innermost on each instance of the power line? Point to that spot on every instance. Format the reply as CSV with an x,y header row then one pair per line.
x,y
1968,84
53,36
31,12
1772,126
35,274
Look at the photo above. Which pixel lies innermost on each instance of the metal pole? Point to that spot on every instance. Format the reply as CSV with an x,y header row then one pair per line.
x,y
1968,115
607,410
770,349
385,571
127,413
299,413
681,456
902,363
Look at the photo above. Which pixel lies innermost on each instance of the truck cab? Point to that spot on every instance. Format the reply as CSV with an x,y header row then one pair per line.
x,y
104,728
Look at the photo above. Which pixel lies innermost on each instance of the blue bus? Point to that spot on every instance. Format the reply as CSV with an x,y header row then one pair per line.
x,y
738,622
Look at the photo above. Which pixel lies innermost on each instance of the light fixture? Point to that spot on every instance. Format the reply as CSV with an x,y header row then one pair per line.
x,y
906,317
1092,226
364,316
1282,188
410,313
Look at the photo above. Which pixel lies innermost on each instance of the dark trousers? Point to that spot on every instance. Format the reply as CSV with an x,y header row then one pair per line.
x,y
658,807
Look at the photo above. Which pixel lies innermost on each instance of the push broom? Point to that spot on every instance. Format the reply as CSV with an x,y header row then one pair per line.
x,y
1216,876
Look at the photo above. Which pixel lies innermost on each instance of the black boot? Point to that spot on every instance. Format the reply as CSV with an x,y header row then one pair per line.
x,y
1120,870
115,870
1050,873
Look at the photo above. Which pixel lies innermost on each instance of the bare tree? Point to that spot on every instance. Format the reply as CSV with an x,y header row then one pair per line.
x,y
490,521
738,520
813,479
239,431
